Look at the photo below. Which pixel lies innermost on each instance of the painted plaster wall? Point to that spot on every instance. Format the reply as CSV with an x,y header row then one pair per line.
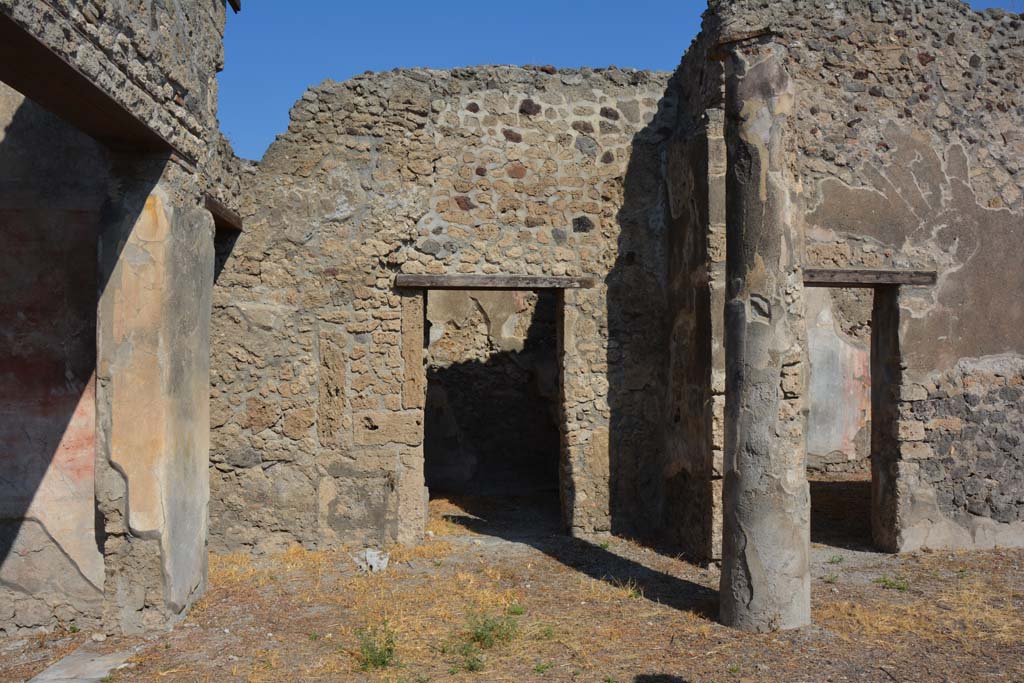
x,y
155,256
153,369
154,277
839,388
52,186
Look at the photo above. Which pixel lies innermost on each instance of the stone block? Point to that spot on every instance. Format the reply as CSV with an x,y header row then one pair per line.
x,y
945,424
331,387
379,427
297,423
912,392
907,430
916,450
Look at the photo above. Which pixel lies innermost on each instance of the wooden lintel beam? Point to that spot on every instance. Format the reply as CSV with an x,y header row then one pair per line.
x,y
224,218
854,277
721,49
528,282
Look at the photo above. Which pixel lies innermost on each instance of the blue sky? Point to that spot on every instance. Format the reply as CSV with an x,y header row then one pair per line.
x,y
274,50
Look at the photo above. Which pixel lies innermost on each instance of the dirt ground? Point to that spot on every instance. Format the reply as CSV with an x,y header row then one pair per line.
x,y
498,594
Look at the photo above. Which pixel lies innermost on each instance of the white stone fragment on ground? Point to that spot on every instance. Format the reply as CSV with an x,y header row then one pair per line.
x,y
371,560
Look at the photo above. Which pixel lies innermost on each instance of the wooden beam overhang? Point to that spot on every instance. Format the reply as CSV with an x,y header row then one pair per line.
x,y
527,282
224,218
863,277
33,69
720,50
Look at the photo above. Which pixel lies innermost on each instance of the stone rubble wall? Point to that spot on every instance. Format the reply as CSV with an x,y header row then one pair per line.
x,y
221,172
157,60
318,387
973,450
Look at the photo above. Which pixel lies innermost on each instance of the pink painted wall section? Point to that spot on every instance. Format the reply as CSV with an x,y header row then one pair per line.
x,y
839,420
47,396
51,568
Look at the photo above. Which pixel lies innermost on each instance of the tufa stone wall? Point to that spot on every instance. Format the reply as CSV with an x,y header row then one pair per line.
x,y
318,385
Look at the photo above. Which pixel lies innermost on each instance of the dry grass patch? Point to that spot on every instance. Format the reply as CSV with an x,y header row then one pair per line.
x,y
418,611
428,550
233,569
970,612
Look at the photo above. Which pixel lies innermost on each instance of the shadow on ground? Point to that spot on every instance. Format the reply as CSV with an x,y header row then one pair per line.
x,y
535,521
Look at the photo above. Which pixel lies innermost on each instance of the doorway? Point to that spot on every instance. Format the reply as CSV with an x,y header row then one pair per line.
x,y
839,324
886,377
492,440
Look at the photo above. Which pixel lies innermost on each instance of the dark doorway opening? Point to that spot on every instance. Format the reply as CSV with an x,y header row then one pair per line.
x,y
492,416
839,427
841,510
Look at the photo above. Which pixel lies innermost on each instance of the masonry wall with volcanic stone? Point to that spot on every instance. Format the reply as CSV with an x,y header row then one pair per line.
x,y
908,125
318,383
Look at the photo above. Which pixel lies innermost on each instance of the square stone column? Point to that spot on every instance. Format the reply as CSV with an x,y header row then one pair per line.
x,y
153,355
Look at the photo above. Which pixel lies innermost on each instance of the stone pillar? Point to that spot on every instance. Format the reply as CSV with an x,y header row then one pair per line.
x,y
586,472
716,237
413,496
153,373
766,537
885,393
